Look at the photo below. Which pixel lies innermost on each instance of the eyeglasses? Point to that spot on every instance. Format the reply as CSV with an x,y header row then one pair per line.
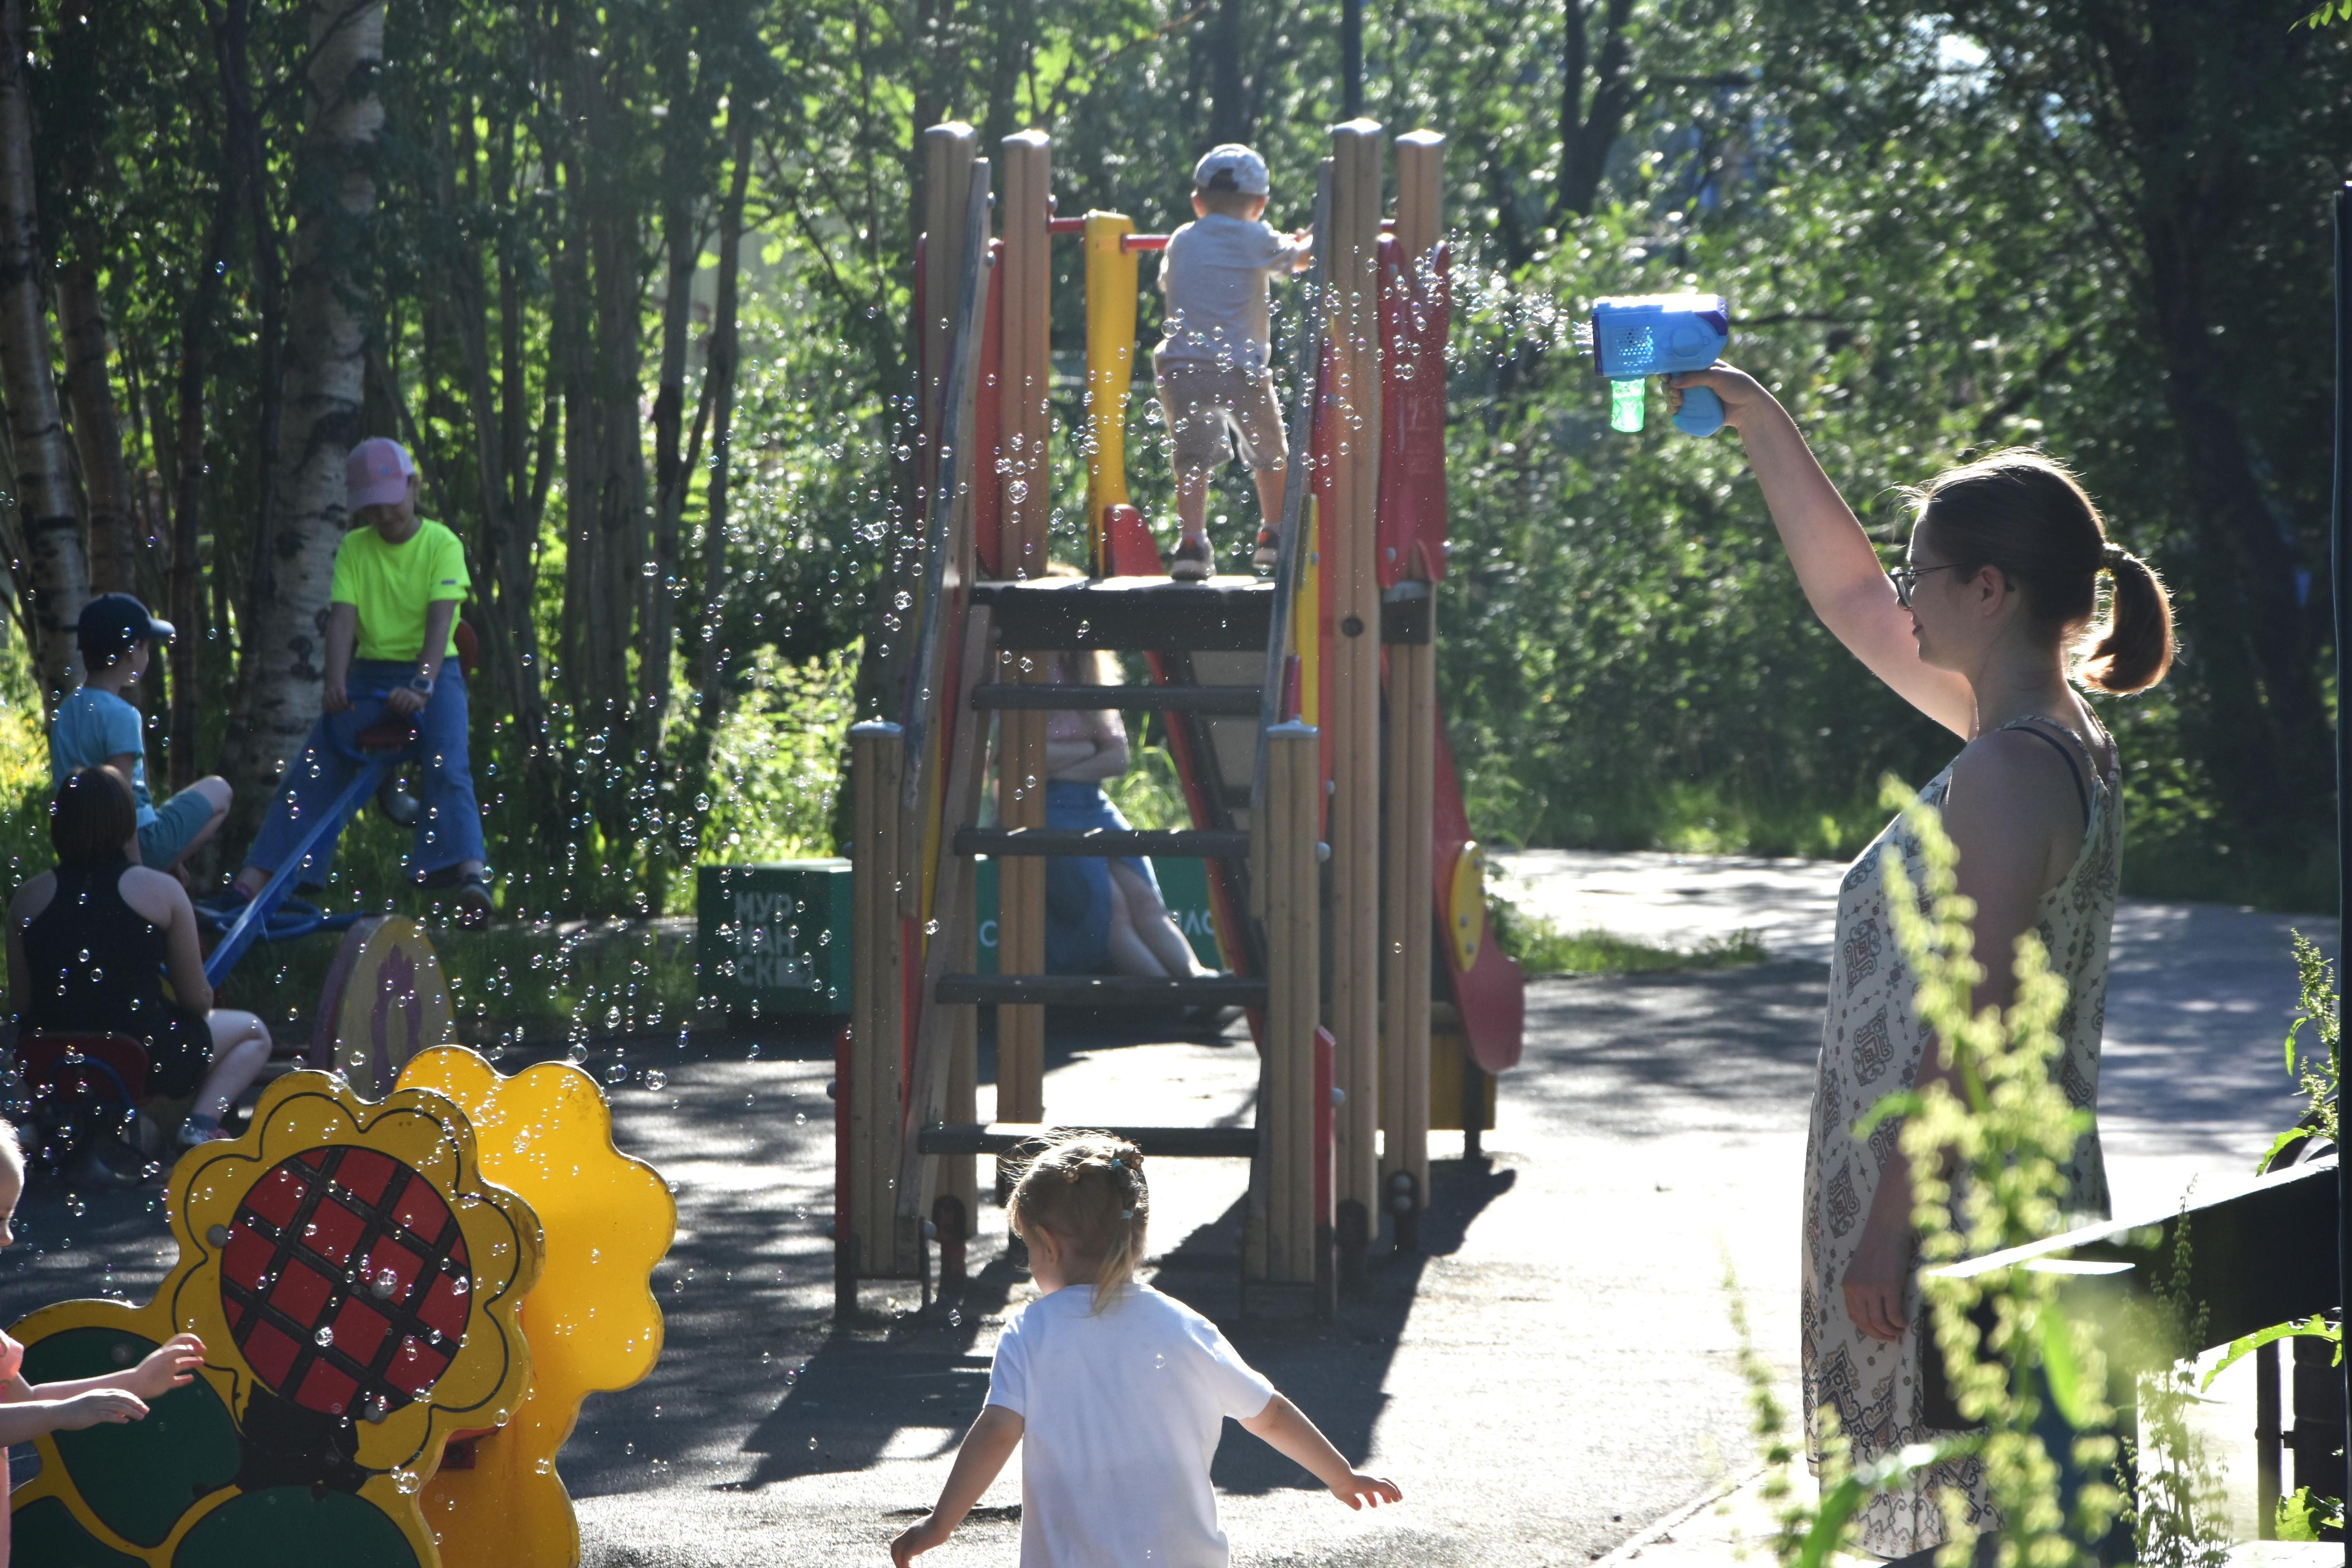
x,y
1904,576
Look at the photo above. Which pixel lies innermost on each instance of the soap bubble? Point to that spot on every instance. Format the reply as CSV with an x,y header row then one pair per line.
x,y
656,1079
324,1337
408,1481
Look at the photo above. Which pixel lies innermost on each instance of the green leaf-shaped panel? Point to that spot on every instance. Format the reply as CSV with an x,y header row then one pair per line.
x,y
140,1478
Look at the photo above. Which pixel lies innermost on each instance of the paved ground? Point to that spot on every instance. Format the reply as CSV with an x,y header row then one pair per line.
x,y
1555,1374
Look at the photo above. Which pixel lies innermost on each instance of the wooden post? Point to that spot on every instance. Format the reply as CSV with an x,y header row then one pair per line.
x,y
1026,370
1282,1238
949,171
1355,719
1411,798
876,1029
1026,475
948,152
943,1029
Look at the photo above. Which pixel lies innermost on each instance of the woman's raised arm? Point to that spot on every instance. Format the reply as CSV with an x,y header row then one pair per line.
x,y
1840,573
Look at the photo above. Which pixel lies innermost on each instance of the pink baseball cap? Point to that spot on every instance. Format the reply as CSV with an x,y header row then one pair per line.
x,y
377,473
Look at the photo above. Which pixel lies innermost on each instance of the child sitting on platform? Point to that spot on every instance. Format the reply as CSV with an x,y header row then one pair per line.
x,y
399,579
96,727
1116,1393
1211,367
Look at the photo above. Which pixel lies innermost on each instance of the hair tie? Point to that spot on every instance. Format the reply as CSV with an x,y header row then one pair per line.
x,y
1126,1214
1115,1163
2111,555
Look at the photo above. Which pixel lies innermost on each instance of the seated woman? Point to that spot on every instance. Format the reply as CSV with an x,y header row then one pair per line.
x,y
91,943
1100,914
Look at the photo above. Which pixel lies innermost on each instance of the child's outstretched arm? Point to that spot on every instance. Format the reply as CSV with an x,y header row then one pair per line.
x,y
1282,1426
985,1449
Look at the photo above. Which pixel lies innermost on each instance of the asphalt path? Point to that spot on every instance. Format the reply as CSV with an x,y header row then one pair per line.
x,y
1556,1370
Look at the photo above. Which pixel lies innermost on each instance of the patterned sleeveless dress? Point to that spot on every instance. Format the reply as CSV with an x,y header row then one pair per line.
x,y
1871,1046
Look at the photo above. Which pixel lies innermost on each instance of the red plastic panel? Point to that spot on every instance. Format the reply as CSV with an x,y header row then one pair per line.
x,y
345,1280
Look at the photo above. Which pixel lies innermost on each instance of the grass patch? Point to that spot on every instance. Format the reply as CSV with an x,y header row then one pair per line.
x,y
578,980
1542,948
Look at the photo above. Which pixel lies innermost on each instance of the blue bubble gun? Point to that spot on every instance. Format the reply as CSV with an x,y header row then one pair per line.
x,y
1637,336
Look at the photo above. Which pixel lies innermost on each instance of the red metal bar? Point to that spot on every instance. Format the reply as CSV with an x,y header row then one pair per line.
x,y
1131,243
1065,225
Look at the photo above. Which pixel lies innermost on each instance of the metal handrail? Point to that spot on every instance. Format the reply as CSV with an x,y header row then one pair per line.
x,y
1307,368
949,479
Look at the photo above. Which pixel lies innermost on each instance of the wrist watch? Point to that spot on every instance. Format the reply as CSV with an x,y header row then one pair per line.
x,y
421,684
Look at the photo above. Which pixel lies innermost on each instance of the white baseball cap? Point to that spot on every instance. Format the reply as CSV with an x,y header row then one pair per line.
x,y
1246,168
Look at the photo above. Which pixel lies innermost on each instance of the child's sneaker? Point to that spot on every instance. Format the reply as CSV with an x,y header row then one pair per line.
x,y
1192,561
1269,550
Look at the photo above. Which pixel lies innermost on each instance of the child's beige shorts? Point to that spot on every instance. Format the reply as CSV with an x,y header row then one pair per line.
x,y
1208,401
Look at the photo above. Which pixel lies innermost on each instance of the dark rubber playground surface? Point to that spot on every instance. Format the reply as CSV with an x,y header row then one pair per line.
x,y
1554,1371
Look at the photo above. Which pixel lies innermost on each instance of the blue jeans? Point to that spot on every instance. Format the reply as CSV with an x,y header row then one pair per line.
x,y
1077,887
449,829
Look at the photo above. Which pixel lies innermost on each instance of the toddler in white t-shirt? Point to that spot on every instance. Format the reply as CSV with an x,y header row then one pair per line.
x,y
1115,1394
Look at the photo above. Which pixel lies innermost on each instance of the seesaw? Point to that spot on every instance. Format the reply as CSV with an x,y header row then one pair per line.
x,y
403,1302
383,1002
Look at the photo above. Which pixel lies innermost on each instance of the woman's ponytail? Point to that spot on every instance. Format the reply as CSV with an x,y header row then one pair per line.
x,y
2026,513
2135,648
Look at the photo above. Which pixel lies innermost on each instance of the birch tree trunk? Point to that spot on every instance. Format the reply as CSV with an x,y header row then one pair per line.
x,y
55,570
326,360
113,512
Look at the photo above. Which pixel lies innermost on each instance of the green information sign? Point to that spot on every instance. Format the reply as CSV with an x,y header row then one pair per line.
x,y
773,938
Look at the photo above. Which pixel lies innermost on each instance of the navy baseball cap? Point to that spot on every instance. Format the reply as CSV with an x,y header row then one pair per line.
x,y
112,621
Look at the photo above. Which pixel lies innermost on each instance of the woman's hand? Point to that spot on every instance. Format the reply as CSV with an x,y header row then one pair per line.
x,y
1741,393
1878,1279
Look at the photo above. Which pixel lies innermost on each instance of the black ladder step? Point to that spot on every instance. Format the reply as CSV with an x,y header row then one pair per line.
x,y
1139,615
1157,1142
1207,844
1232,700
1102,989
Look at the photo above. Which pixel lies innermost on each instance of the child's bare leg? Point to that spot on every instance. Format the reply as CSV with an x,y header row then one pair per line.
x,y
1269,498
1193,501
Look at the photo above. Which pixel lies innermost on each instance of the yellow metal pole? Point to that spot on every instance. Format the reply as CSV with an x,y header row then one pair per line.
x,y
1111,369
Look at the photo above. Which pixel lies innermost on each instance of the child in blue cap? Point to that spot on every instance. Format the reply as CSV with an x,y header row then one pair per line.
x,y
97,727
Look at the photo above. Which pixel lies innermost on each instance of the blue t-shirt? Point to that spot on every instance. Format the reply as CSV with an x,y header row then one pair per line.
x,y
92,726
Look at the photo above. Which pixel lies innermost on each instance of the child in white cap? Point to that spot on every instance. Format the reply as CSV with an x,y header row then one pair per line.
x,y
1211,368
391,650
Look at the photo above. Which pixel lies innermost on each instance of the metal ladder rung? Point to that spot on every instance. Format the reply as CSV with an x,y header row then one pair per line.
x,y
1159,1142
1236,700
1102,989
1208,844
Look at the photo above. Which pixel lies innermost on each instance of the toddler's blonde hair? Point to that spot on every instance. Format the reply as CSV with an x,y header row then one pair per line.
x,y
1088,1188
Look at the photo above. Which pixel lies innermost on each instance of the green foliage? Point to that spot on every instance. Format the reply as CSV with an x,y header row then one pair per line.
x,y
2302,1516
2173,1494
1542,948
1933,235
2319,1068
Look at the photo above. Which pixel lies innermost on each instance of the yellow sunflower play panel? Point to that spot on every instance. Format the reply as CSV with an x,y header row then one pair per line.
x,y
403,1303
